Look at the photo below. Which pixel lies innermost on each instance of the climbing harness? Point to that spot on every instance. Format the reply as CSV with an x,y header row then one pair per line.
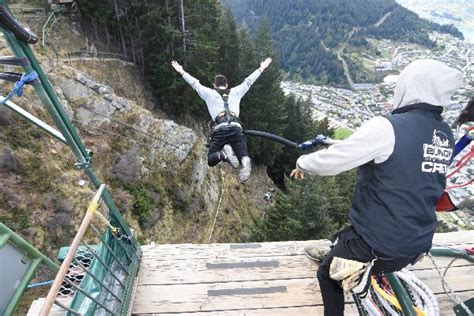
x,y
353,275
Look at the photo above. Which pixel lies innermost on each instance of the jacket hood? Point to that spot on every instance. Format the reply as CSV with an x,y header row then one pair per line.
x,y
426,81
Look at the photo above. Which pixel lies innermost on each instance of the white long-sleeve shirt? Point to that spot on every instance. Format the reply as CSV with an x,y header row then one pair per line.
x,y
214,101
374,140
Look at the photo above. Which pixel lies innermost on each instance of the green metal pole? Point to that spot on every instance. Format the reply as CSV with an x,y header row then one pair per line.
x,y
46,85
4,236
447,252
29,249
15,46
401,294
21,288
51,102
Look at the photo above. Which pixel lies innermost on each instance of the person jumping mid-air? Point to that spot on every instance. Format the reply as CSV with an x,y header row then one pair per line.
x,y
223,105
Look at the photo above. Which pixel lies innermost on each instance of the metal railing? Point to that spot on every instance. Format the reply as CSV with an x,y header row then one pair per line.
x,y
7,237
109,278
107,283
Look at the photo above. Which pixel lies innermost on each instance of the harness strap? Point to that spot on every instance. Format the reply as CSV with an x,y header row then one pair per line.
x,y
225,97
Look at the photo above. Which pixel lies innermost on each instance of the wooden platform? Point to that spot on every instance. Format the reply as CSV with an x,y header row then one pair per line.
x,y
263,279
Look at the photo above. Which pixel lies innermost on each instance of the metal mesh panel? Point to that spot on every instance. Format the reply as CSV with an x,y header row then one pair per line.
x,y
75,274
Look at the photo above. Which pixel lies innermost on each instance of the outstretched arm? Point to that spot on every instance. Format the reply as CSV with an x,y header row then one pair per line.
x,y
242,89
373,141
204,92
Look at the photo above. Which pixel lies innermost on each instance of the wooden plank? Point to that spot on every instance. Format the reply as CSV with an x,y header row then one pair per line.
x,y
349,310
446,305
194,297
247,269
226,270
458,278
197,251
453,238
446,308
302,292
289,248
263,278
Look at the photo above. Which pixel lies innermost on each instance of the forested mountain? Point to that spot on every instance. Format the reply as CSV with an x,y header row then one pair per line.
x,y
308,33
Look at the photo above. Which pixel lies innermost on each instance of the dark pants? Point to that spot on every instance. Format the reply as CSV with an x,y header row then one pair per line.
x,y
348,244
231,135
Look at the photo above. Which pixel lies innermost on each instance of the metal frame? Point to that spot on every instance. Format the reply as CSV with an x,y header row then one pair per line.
x,y
67,134
7,235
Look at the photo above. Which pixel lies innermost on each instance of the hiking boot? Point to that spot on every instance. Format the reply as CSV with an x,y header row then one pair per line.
x,y
246,169
230,157
316,253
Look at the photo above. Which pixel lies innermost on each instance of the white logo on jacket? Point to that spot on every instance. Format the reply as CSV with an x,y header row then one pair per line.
x,y
437,155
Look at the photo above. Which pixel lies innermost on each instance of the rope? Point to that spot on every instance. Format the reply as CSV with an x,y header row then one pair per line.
x,y
116,232
460,185
454,298
218,207
18,87
462,162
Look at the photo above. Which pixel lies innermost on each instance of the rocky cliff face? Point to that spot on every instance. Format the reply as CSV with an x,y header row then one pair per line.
x,y
155,168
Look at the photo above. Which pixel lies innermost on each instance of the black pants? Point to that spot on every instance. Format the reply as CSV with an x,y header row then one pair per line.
x,y
231,135
348,244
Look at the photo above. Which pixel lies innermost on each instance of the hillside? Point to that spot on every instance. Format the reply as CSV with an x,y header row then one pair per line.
x,y
156,169
312,37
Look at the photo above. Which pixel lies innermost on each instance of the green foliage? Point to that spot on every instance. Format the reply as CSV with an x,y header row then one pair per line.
x,y
307,31
313,208
300,126
342,133
148,198
264,98
229,50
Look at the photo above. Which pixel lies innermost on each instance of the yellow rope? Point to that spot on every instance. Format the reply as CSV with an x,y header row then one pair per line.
x,y
392,299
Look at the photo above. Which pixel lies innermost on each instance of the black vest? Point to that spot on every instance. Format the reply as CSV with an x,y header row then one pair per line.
x,y
393,206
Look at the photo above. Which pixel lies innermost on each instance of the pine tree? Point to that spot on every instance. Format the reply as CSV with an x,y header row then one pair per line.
x,y
229,50
309,210
266,112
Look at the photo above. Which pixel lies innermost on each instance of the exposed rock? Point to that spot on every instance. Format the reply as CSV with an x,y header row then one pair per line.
x,y
86,117
172,142
107,92
8,161
119,103
75,92
66,107
129,168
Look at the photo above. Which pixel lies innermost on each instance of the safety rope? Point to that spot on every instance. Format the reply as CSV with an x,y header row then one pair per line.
x,y
449,292
218,207
18,87
462,162
116,232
